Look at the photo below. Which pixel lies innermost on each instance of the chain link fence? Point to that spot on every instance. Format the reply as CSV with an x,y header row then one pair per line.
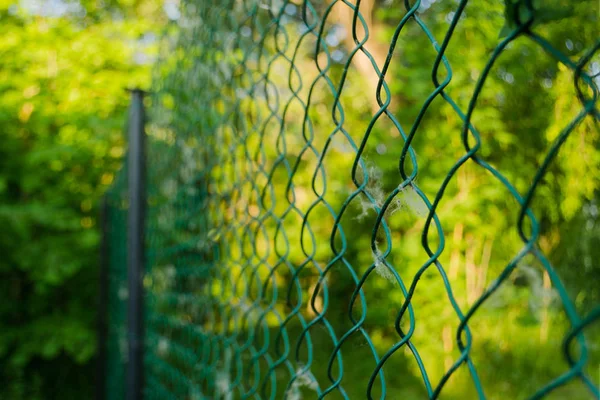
x,y
368,199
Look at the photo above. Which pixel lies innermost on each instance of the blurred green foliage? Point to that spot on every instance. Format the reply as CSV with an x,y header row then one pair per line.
x,y
64,67
62,109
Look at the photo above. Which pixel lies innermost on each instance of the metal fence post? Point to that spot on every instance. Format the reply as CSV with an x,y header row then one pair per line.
x,y
135,250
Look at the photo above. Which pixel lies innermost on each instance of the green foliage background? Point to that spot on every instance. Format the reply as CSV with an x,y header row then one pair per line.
x,y
62,113
63,104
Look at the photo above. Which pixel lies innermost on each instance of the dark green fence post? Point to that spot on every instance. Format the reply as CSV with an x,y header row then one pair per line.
x,y
135,250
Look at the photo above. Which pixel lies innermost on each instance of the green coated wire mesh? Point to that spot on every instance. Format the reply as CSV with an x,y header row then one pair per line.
x,y
371,199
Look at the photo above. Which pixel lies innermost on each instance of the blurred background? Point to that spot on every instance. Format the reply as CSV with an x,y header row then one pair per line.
x,y
64,68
